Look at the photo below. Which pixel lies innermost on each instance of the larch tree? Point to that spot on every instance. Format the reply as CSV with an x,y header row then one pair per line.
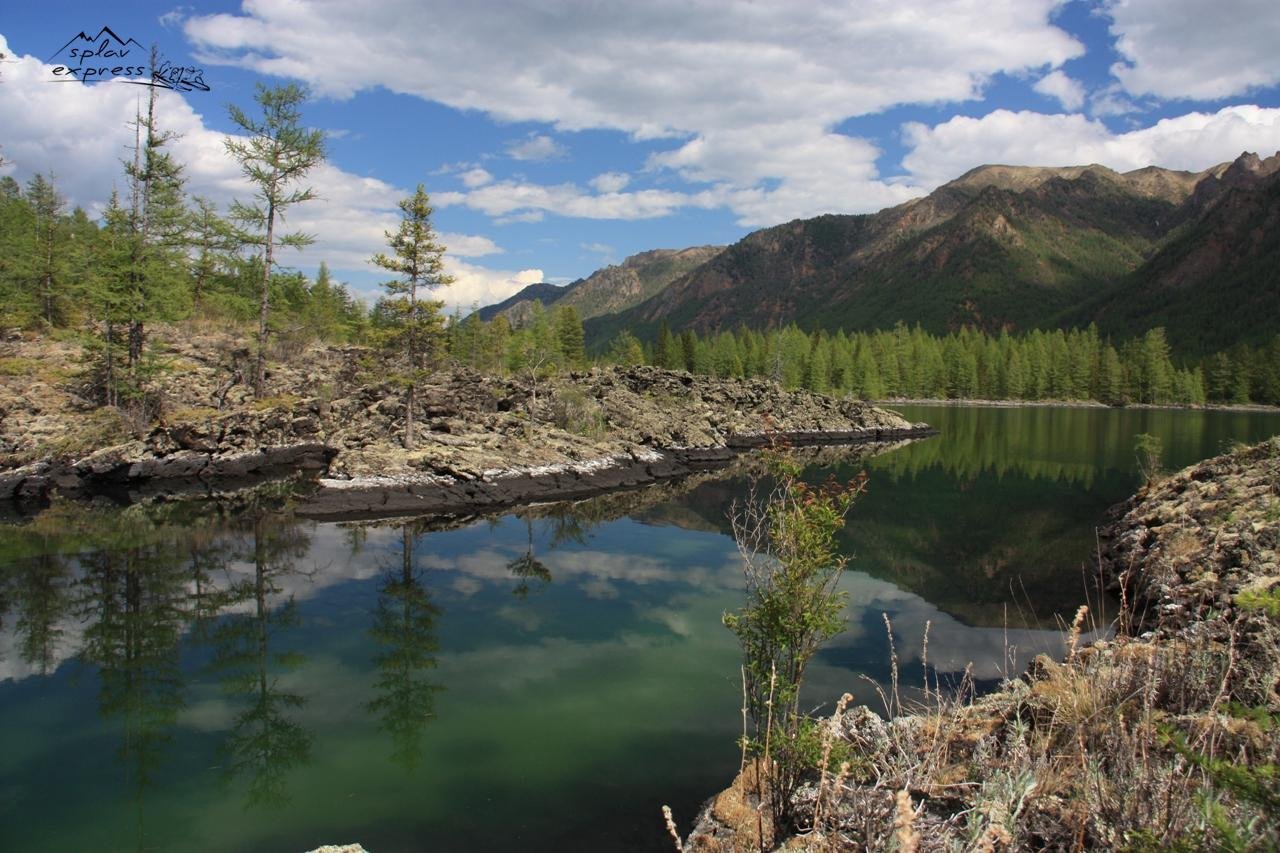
x,y
415,325
155,280
277,154
212,241
46,262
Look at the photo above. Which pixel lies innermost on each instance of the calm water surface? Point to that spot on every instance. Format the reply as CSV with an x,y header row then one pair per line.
x,y
228,677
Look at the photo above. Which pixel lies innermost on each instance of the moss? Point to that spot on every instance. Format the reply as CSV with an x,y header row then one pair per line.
x,y
100,428
280,401
19,366
191,414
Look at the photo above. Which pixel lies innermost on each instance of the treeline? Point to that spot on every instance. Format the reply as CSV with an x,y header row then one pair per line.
x,y
970,364
1039,365
54,262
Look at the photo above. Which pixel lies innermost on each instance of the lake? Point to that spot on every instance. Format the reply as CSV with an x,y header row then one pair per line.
x,y
224,676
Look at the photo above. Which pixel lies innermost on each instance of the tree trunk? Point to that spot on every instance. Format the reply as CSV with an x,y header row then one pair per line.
x,y
408,417
110,390
137,336
264,302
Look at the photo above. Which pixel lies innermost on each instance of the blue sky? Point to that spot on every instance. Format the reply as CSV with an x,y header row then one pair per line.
x,y
556,137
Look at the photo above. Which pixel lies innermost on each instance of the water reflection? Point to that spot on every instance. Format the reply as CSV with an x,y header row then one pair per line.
x,y
526,566
404,631
226,675
265,741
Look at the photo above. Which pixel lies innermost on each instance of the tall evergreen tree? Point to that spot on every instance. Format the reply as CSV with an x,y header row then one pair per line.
x,y
158,225
570,335
212,240
277,154
46,263
664,347
418,259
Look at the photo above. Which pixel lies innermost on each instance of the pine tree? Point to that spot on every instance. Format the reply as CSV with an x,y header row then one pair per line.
x,y
278,153
418,260
45,267
570,335
664,348
689,350
625,350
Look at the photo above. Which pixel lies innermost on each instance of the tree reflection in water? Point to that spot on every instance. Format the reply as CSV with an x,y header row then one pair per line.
x,y
265,742
527,566
404,631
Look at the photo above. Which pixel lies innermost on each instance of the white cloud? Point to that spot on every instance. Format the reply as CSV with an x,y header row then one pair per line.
x,y
1058,85
610,182
752,91
475,286
79,133
1111,101
607,254
476,177
174,17
1203,49
526,202
536,147
1194,141
469,245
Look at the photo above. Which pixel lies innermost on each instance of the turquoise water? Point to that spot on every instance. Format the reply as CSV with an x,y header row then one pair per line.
x,y
230,677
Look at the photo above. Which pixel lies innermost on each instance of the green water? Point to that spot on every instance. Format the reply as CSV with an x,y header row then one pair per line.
x,y
229,677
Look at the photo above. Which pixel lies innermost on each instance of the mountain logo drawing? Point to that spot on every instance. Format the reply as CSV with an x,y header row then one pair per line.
x,y
106,57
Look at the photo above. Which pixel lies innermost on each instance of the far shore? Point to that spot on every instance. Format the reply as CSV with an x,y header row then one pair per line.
x,y
1072,404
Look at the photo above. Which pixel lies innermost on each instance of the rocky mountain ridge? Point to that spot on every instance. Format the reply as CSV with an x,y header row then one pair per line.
x,y
1004,247
607,290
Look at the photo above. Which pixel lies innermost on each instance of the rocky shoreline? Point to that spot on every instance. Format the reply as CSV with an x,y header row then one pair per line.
x,y
1098,750
482,442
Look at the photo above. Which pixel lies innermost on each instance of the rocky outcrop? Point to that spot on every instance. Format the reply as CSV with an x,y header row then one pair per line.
x,y
1186,549
482,441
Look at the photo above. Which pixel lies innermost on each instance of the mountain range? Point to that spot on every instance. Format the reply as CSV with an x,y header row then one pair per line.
x,y
1000,247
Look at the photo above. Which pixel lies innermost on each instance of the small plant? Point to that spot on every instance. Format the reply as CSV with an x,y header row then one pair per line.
x,y
787,542
1148,450
575,411
1268,601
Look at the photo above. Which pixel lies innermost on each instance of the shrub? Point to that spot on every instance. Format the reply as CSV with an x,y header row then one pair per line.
x,y
787,542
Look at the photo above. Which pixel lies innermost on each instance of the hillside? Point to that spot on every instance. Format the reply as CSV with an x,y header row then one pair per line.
x,y
542,292
1215,281
1008,247
609,290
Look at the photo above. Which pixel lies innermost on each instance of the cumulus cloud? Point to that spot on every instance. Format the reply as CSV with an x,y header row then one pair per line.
x,y
524,201
475,286
1194,141
536,147
1195,48
469,245
476,177
750,94
1058,85
79,133
610,182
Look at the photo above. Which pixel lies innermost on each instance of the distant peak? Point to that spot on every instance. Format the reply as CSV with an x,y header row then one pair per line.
x,y
1019,178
